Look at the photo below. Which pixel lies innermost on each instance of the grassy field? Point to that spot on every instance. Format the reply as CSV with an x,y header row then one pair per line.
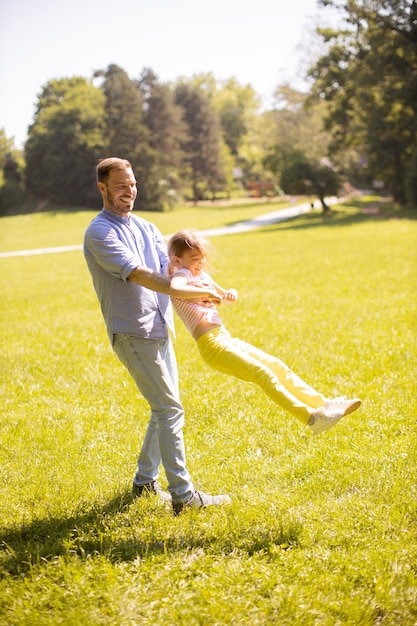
x,y
321,531
39,230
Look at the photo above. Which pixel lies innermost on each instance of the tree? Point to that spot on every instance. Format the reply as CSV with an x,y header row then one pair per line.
x,y
296,122
296,145
202,146
238,109
65,142
167,133
12,194
299,175
6,146
125,128
368,78
411,180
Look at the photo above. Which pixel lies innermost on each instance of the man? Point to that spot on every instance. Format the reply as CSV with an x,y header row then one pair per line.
x,y
127,259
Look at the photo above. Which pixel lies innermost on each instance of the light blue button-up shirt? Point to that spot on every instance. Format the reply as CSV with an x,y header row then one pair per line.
x,y
114,246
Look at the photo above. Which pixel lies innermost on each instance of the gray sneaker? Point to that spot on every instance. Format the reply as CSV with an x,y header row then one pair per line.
x,y
198,500
151,488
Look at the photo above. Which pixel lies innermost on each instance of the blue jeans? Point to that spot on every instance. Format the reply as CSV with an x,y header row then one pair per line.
x,y
153,367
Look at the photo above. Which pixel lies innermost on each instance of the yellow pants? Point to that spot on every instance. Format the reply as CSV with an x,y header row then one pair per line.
x,y
235,357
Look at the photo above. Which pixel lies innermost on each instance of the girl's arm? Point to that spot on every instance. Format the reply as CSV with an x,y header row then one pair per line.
x,y
230,295
179,288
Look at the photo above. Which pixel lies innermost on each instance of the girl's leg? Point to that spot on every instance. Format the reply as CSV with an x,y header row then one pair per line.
x,y
238,358
293,383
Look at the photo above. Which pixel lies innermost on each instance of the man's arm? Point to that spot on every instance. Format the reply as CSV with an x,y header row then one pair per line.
x,y
150,279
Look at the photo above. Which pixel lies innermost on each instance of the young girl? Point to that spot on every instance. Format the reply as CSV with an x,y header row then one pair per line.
x,y
187,253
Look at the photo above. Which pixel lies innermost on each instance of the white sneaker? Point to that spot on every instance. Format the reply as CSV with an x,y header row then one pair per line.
x,y
333,410
342,403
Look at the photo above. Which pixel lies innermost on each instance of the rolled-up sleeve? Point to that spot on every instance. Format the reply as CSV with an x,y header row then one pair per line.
x,y
114,247
103,246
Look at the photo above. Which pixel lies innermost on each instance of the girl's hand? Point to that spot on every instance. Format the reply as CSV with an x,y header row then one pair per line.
x,y
230,295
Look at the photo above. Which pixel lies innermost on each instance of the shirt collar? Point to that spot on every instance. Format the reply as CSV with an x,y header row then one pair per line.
x,y
116,216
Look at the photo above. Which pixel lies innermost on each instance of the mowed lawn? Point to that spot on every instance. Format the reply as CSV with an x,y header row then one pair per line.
x,y
321,530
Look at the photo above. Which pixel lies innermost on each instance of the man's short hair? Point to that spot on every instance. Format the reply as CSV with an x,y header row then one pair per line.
x,y
105,166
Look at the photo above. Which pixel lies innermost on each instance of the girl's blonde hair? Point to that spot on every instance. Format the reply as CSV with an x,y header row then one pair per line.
x,y
184,240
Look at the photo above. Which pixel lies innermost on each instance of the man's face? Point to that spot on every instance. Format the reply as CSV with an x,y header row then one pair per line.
x,y
119,192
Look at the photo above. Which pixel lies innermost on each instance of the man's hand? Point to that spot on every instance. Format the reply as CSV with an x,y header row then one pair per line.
x,y
212,298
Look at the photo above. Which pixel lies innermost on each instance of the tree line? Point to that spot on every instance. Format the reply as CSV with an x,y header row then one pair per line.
x,y
200,137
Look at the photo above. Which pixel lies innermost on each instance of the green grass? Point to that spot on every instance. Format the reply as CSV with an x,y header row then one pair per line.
x,y
321,531
35,230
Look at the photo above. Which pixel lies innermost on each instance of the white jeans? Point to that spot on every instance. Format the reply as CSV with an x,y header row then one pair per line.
x,y
153,367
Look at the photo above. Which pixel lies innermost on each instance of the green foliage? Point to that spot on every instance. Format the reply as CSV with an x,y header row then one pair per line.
x,y
237,106
299,175
368,77
12,195
125,129
298,147
203,143
201,137
12,192
296,122
161,187
193,136
321,531
65,142
238,109
129,135
6,145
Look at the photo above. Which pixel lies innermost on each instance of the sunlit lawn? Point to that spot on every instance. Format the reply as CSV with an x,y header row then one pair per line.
x,y
35,230
321,530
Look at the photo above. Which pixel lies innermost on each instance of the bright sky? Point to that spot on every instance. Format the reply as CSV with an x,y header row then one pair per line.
x,y
259,42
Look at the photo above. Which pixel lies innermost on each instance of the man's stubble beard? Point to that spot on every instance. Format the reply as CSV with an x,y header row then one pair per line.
x,y
121,210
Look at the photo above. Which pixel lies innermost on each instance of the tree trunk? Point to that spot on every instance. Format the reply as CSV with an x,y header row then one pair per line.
x,y
325,206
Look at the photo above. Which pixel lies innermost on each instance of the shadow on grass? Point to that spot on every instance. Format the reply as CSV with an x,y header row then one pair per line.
x,y
111,531
27,545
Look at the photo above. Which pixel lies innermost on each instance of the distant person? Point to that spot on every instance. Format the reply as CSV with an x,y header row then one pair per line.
x,y
128,261
187,253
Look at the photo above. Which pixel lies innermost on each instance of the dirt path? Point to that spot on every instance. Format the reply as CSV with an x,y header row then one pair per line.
x,y
262,220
